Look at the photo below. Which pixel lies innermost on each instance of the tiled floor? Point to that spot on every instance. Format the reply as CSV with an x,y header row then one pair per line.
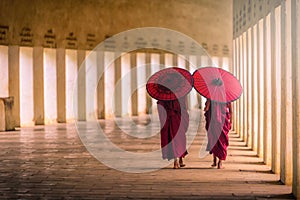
x,y
51,162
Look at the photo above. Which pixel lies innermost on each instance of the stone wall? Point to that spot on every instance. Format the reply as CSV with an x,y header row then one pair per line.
x,y
246,13
77,24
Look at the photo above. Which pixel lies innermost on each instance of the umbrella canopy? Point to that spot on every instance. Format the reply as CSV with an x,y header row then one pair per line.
x,y
217,84
170,84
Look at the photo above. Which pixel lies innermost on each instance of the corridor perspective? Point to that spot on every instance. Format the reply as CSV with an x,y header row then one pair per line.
x,y
76,121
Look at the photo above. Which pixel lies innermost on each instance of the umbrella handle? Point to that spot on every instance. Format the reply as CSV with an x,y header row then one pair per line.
x,y
207,105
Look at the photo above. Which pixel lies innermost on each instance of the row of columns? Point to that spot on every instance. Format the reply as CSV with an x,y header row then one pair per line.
x,y
267,116
29,64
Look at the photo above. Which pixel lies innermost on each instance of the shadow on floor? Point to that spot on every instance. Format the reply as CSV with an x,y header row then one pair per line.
x,y
257,171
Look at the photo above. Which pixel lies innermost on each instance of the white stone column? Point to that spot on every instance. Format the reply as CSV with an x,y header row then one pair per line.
x,y
109,84
4,71
236,109
168,59
233,71
244,85
255,87
141,80
215,59
278,86
155,57
71,85
249,87
26,86
175,60
267,93
50,87
100,87
235,63
148,74
91,85
134,97
226,63
296,95
61,84
126,85
286,95
162,59
194,98
275,64
241,100
81,85
14,80
260,88
118,88
38,85
240,68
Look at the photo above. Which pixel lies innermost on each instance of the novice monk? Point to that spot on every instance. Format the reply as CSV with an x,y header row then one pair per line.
x,y
218,123
174,121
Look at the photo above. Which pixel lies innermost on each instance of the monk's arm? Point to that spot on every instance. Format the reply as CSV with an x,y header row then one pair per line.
x,y
230,111
207,105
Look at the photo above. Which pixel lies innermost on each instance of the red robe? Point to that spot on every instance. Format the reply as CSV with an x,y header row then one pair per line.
x,y
218,125
174,122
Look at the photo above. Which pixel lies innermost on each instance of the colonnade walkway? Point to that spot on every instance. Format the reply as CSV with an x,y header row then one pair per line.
x,y
51,162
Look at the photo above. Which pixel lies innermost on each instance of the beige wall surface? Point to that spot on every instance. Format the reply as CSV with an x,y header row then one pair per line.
x,y
82,24
246,13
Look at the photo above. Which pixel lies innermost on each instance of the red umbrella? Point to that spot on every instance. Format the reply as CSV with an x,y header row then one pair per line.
x,y
170,84
217,84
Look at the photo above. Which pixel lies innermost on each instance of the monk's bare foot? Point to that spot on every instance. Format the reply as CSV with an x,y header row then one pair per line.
x,y
176,164
220,165
181,164
214,162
